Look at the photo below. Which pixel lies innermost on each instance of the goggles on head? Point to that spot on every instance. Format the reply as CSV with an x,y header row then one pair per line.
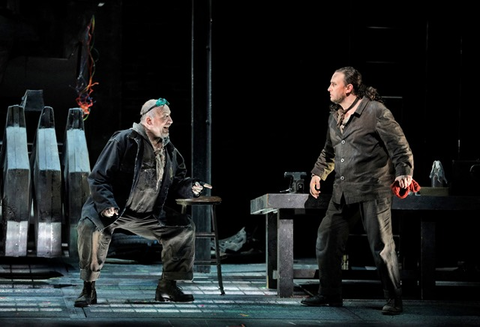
x,y
160,102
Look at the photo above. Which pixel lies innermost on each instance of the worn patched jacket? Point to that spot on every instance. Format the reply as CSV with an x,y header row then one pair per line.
x,y
367,157
117,171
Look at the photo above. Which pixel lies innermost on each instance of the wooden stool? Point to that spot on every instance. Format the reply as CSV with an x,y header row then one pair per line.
x,y
211,201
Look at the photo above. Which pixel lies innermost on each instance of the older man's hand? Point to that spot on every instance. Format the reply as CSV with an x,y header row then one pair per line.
x,y
197,187
110,212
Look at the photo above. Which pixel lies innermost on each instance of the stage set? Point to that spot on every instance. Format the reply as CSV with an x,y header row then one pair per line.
x,y
247,86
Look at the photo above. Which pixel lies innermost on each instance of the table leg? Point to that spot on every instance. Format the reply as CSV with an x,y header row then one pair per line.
x,y
285,253
271,249
427,259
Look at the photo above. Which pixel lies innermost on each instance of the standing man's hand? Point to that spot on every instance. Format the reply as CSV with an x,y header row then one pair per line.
x,y
404,181
315,186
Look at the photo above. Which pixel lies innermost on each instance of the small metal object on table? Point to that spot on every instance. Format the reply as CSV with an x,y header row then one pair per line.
x,y
211,201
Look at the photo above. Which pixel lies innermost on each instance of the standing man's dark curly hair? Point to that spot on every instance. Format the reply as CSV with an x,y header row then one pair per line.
x,y
354,77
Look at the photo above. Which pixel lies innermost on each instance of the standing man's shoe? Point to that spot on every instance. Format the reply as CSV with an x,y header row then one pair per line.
x,y
88,295
167,290
393,307
322,300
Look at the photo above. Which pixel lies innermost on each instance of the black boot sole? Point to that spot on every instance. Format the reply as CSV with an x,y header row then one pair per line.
x,y
320,301
84,303
160,298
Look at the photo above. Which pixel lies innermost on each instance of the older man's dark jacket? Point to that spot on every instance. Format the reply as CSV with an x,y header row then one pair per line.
x,y
116,172
367,157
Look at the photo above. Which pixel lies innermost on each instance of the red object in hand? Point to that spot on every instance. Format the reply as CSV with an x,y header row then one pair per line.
x,y
402,193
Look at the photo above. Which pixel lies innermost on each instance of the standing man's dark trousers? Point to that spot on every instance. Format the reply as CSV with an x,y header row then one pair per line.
x,y
332,240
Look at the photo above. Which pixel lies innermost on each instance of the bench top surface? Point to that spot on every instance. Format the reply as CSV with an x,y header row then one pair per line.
x,y
271,202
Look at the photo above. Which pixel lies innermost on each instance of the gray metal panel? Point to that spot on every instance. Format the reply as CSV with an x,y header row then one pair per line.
x,y
16,238
76,170
47,185
16,195
49,239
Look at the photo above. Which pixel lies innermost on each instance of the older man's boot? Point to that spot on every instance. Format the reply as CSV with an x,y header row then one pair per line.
x,y
167,290
394,306
88,295
319,300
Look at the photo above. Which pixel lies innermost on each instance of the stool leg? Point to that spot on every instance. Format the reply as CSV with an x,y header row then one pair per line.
x,y
217,251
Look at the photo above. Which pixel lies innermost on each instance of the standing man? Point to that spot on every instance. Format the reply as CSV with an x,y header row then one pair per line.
x,y
136,173
368,151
